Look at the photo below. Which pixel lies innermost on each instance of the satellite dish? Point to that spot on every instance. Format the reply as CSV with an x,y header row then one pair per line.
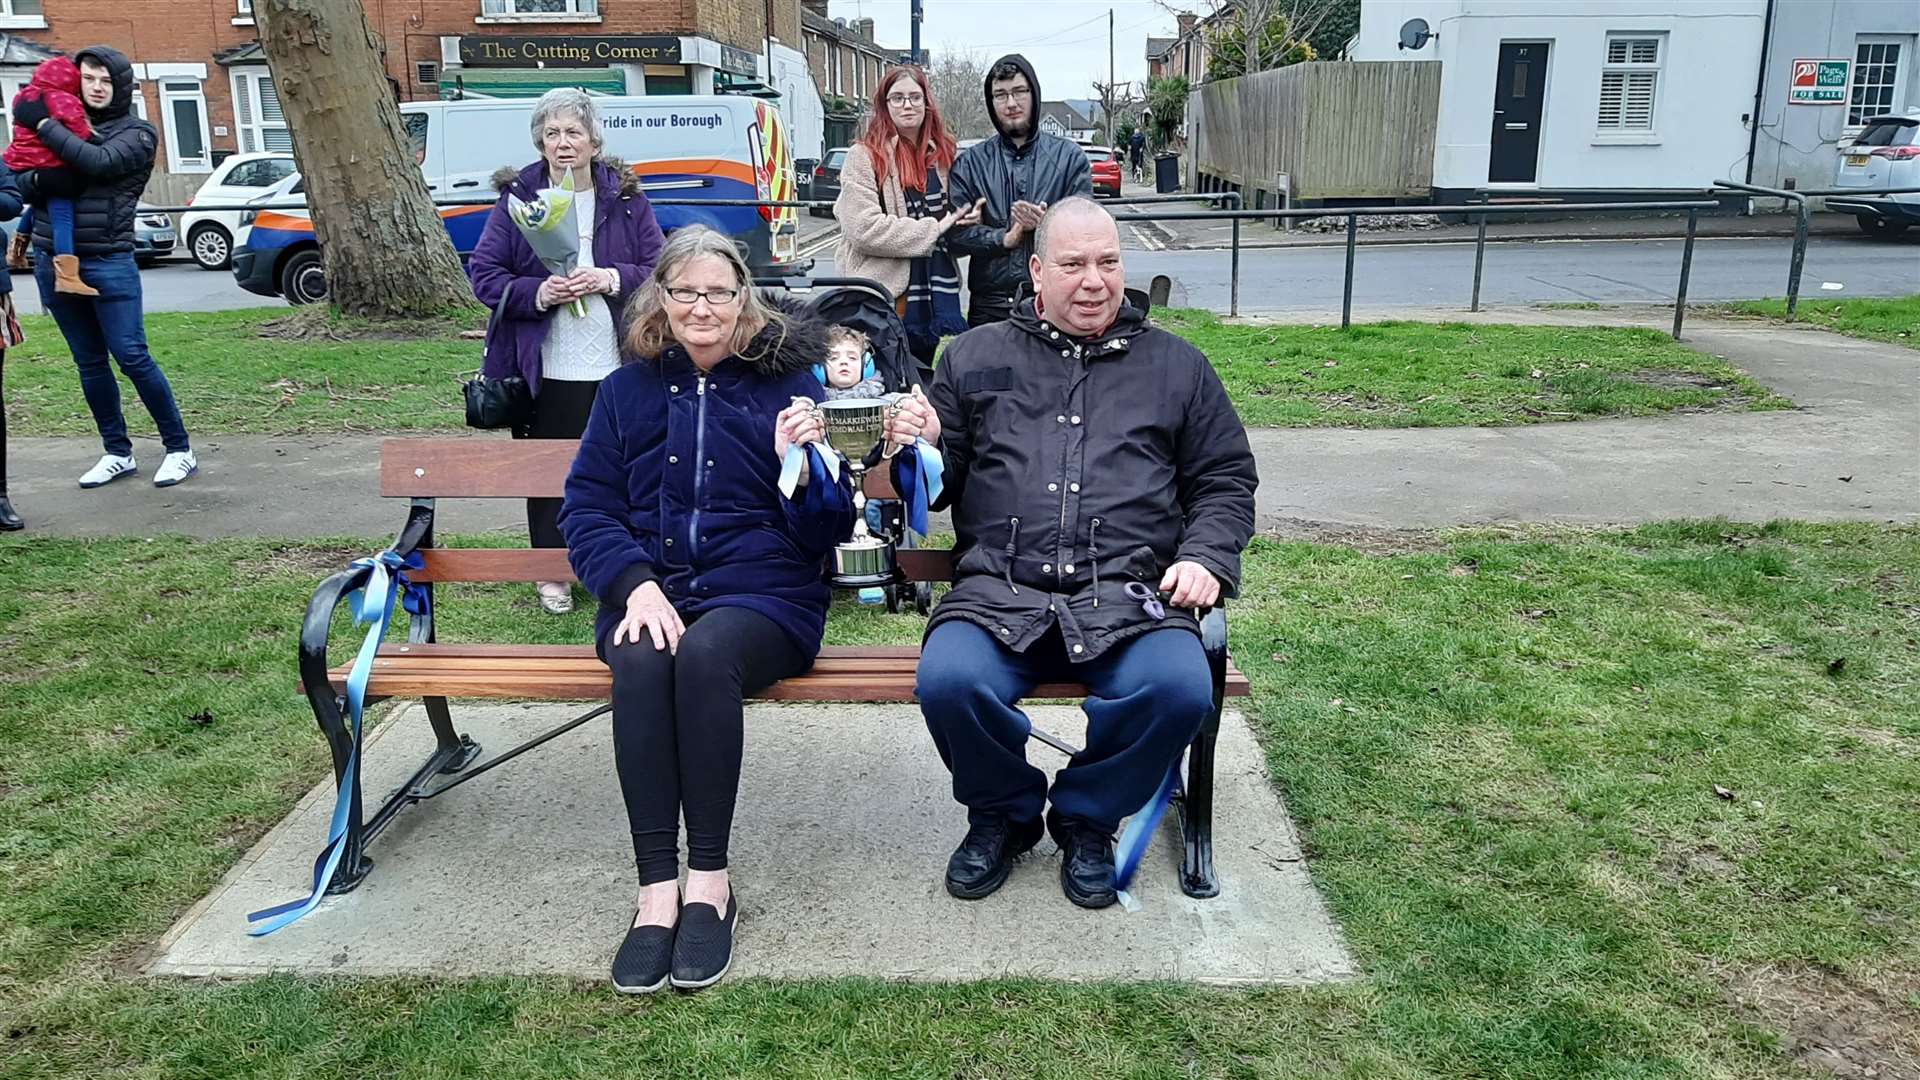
x,y
1415,34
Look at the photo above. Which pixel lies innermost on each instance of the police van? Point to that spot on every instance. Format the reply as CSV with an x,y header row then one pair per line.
x,y
695,148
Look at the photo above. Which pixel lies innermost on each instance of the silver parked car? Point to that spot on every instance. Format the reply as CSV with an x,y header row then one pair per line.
x,y
153,235
1885,155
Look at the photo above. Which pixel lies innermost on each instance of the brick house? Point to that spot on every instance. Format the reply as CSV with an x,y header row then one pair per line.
x,y
846,65
1186,53
205,84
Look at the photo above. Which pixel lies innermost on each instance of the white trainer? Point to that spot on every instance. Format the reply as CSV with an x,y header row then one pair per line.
x,y
109,468
175,468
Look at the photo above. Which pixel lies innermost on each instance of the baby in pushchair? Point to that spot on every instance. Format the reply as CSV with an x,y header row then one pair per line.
x,y
868,357
849,372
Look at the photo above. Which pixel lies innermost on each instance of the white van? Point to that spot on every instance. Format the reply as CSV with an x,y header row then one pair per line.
x,y
700,149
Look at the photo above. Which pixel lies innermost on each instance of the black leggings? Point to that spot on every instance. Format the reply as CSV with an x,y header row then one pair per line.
x,y
560,412
677,732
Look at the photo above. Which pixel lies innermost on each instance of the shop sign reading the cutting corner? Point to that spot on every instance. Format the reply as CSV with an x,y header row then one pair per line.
x,y
566,52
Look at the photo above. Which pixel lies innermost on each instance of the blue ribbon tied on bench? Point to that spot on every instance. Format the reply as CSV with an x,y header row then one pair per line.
x,y
919,476
371,603
1137,836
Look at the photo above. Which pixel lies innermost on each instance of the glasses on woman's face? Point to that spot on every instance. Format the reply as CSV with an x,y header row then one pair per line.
x,y
902,101
713,297
1002,97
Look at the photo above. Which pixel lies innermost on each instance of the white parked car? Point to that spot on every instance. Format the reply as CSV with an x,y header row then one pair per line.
x,y
239,179
1885,155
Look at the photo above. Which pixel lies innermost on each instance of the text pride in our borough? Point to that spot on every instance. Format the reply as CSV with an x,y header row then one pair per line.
x,y
709,120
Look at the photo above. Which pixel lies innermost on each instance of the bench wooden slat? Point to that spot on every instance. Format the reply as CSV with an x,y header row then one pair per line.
x,y
493,564
475,468
573,672
550,564
460,651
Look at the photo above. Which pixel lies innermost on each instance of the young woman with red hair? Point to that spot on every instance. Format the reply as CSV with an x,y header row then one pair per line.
x,y
893,210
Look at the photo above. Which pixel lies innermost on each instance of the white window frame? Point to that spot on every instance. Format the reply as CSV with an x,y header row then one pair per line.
x,y
1619,131
242,13
12,20
250,133
173,89
1897,103
578,11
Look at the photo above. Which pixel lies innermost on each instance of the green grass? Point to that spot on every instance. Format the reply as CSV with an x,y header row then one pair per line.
x,y
1502,750
1403,374
230,379
1896,320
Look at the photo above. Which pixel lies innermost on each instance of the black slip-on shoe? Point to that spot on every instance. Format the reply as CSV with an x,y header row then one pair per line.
x,y
980,864
644,961
703,947
9,521
1086,864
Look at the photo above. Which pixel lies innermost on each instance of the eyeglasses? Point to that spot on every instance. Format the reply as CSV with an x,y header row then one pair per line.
x,y
906,99
713,297
1002,97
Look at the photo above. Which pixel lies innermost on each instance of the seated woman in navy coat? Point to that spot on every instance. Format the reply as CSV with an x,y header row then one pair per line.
x,y
709,579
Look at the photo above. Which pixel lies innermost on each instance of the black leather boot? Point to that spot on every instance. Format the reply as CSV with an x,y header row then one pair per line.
x,y
9,521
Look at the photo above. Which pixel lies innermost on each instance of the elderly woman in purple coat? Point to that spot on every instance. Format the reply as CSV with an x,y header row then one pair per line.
x,y
563,355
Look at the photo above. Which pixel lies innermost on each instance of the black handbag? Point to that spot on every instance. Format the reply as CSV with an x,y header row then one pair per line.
x,y
498,403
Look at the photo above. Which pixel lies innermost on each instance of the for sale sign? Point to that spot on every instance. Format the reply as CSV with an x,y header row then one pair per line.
x,y
1819,82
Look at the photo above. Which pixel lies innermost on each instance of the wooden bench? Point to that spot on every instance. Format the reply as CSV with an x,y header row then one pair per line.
x,y
423,470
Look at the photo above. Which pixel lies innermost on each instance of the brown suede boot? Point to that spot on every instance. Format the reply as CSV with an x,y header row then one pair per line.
x,y
17,251
66,277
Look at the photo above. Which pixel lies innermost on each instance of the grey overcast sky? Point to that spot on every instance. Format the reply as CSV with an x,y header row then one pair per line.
x,y
1065,39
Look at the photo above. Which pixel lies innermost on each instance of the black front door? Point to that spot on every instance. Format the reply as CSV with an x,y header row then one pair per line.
x,y
1519,92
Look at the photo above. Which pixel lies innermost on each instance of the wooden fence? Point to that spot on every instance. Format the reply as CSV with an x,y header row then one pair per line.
x,y
1341,130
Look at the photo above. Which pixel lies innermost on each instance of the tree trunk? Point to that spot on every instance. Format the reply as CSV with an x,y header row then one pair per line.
x,y
386,251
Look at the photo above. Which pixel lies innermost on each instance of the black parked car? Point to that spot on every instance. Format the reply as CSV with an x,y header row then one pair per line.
x,y
826,180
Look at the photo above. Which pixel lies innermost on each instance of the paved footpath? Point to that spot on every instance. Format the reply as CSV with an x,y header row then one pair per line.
x,y
1850,451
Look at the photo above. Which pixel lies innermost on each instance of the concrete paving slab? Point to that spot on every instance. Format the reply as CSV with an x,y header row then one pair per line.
x,y
840,841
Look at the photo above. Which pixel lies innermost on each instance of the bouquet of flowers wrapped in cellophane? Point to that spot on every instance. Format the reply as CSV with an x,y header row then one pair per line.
x,y
551,230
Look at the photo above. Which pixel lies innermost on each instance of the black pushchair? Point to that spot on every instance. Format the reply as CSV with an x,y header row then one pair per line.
x,y
867,306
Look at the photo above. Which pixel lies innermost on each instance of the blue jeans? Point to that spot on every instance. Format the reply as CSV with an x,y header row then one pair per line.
x,y
60,211
111,323
1150,696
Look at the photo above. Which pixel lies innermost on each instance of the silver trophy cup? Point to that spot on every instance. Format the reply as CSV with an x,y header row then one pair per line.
x,y
854,427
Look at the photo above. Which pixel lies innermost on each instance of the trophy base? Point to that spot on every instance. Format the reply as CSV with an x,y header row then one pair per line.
x,y
861,581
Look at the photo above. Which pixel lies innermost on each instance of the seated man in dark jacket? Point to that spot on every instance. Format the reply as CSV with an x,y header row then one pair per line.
x,y
1020,172
1086,454
108,173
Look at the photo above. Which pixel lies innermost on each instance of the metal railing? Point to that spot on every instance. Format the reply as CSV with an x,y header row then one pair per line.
x,y
1235,213
1353,214
1801,210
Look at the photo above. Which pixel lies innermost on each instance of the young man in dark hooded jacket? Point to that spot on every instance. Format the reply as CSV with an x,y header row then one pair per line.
x,y
1102,491
1020,172
106,174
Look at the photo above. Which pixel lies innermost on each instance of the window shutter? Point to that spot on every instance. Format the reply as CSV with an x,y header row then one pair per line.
x,y
1628,82
1636,113
269,103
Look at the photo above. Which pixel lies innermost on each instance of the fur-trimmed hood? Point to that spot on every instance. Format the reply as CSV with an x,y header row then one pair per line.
x,y
610,174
